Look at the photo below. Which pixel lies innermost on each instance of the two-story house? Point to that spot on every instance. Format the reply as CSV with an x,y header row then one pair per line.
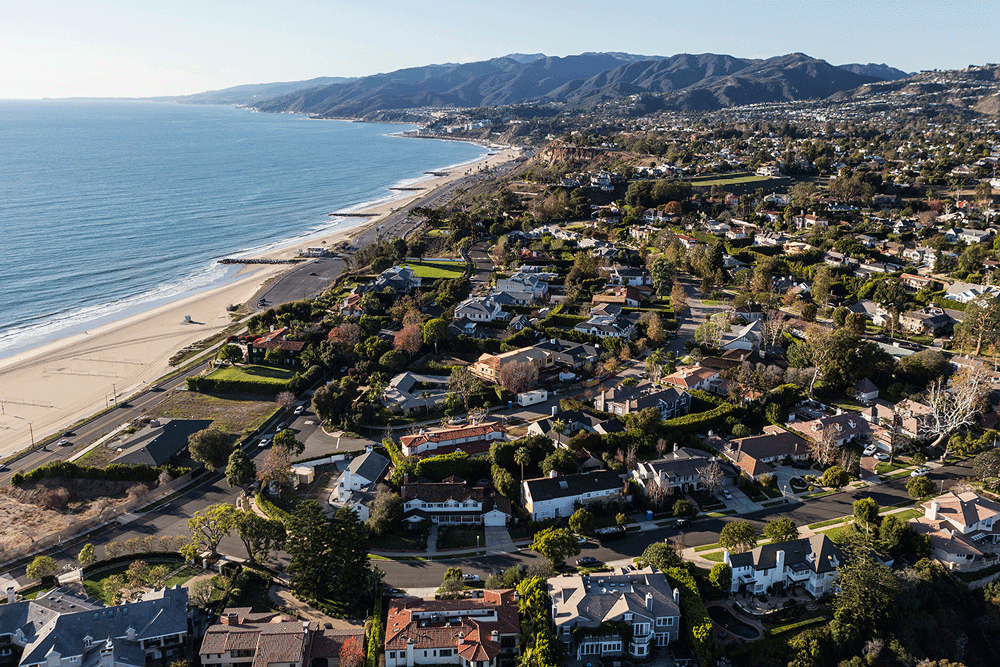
x,y
242,638
454,503
488,366
959,526
810,562
626,400
587,609
701,378
569,354
480,309
679,471
557,496
471,632
61,629
356,486
400,279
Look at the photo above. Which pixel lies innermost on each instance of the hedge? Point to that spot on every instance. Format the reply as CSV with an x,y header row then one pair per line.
x,y
459,464
699,421
272,510
696,619
375,631
205,385
139,472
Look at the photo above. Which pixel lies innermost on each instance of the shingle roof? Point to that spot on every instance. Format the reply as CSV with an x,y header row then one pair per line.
x,y
547,488
370,466
796,553
589,600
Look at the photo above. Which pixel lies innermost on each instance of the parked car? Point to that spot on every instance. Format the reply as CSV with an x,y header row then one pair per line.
x,y
468,576
580,539
882,456
680,523
264,442
726,494
920,472
586,560
298,410
455,421
870,450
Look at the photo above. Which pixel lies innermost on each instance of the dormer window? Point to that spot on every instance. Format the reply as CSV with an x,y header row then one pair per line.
x,y
88,641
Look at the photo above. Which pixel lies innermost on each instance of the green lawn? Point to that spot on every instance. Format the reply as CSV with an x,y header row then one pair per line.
x,y
253,373
435,270
461,538
730,180
408,540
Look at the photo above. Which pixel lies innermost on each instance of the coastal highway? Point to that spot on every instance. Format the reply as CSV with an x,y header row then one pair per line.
x,y
93,429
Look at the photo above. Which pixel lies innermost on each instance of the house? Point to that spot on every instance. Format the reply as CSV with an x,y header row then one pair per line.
x,y
928,320
558,496
622,295
747,337
841,428
469,632
471,439
480,309
679,471
696,377
607,321
568,354
408,391
529,283
626,400
63,629
865,391
400,279
839,260
454,503
918,282
755,454
750,312
966,292
351,306
960,526
573,422
769,170
584,606
626,275
363,473
159,441
243,638
488,366
804,221
640,233
969,236
277,339
766,237
810,561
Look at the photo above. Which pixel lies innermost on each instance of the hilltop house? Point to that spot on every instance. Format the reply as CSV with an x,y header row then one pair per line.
x,y
810,561
558,496
470,632
583,605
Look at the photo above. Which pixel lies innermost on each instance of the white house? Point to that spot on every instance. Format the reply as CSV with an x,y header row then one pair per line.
x,y
454,503
480,309
556,496
748,337
811,562
471,439
960,526
642,599
363,472
678,471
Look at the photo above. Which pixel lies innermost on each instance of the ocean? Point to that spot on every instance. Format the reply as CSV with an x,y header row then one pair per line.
x,y
108,208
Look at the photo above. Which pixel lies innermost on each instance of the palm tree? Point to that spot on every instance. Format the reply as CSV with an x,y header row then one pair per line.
x,y
521,457
559,426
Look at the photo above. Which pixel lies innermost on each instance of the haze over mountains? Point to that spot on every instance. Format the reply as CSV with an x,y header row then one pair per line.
x,y
683,82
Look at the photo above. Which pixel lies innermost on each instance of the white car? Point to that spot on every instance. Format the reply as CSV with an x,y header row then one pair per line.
x,y
882,456
870,450
264,442
920,472
468,576
726,494
298,410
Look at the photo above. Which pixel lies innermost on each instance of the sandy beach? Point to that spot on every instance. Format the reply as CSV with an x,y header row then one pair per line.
x,y
44,390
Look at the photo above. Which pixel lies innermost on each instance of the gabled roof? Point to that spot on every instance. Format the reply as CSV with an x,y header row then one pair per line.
x,y
370,466
589,600
827,556
157,442
964,509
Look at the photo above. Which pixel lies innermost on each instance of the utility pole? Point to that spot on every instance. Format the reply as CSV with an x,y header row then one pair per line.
x,y
32,433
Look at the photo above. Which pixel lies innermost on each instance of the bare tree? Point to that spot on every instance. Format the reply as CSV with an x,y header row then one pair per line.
x,y
823,448
657,494
772,328
712,477
632,457
517,377
464,383
661,447
285,399
956,406
477,415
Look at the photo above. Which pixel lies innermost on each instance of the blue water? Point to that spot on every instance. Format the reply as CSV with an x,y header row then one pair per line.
x,y
107,208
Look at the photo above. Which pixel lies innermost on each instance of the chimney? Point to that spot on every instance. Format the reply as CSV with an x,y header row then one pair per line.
x,y
931,513
495,636
779,562
409,652
677,594
230,618
649,601
130,634
555,409
553,474
461,638
11,595
108,655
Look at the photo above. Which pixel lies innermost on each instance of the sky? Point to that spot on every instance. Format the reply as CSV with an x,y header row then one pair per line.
x,y
145,48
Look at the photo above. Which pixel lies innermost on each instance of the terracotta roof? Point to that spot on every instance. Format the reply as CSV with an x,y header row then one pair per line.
x,y
452,433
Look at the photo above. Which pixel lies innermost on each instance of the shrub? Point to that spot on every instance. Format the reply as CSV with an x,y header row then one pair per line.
x,y
835,476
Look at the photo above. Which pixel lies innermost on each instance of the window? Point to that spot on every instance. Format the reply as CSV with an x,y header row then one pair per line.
x,y
444,653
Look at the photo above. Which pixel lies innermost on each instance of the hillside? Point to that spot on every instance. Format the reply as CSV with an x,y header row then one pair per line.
x,y
248,94
690,82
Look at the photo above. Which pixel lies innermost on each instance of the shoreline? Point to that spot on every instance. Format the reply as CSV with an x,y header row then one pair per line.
x,y
60,381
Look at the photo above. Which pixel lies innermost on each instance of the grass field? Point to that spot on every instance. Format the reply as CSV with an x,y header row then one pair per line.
x,y
730,180
253,373
231,415
435,270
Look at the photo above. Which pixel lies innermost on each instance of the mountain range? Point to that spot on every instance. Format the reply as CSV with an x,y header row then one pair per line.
x,y
683,82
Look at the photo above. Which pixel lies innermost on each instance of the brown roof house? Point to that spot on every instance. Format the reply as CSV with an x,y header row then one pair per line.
x,y
475,632
964,529
471,439
277,339
754,455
